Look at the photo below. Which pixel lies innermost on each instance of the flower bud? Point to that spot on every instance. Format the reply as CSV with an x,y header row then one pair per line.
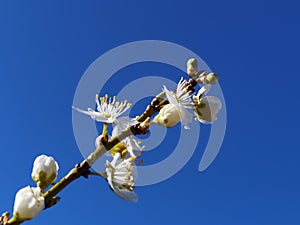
x,y
192,66
168,116
28,203
192,62
44,171
211,78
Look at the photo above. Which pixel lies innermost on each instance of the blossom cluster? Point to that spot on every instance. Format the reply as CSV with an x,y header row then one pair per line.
x,y
182,105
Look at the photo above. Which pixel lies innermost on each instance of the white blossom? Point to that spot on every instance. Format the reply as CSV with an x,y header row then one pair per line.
x,y
28,203
120,177
44,171
108,109
206,107
176,110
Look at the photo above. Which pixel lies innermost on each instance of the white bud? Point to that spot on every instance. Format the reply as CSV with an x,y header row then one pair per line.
x,y
28,203
44,171
192,62
212,78
168,116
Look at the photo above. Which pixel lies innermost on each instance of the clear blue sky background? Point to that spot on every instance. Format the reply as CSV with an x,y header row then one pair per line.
x,y
253,45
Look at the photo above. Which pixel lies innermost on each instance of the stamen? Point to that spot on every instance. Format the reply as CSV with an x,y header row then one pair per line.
x,y
128,167
132,159
139,162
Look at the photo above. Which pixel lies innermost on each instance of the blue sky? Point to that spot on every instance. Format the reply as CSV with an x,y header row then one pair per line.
x,y
253,46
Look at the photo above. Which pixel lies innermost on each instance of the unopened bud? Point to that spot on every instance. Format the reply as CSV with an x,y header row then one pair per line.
x,y
44,171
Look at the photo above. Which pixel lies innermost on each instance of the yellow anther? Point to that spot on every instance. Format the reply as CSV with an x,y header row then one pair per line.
x,y
128,167
123,153
132,158
97,96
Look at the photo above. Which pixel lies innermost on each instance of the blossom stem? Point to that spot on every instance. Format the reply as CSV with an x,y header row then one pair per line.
x,y
152,108
104,130
14,221
92,158
74,174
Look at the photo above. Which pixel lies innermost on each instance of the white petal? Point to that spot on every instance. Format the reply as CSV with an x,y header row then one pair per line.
x,y
204,90
171,96
28,203
48,166
212,107
126,195
93,114
97,116
186,117
123,172
116,159
81,111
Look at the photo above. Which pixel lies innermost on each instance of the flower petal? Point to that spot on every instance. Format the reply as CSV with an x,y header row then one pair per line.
x,y
126,195
211,109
